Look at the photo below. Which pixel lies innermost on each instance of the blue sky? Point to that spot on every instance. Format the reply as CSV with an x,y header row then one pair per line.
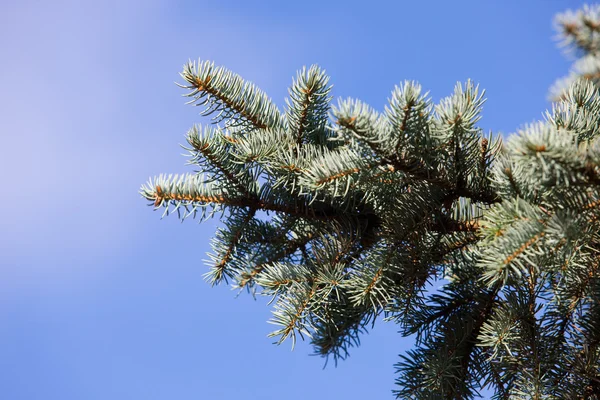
x,y
99,298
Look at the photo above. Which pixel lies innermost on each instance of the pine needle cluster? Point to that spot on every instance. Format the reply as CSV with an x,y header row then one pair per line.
x,y
343,215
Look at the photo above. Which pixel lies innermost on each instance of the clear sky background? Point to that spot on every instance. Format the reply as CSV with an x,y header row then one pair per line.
x,y
99,298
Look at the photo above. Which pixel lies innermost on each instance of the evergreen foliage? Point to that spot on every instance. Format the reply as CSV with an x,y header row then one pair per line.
x,y
366,210
579,34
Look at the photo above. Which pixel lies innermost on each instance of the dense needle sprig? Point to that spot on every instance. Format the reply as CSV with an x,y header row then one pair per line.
x,y
366,209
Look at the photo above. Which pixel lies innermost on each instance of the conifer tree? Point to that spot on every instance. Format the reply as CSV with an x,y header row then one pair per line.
x,y
579,35
344,215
